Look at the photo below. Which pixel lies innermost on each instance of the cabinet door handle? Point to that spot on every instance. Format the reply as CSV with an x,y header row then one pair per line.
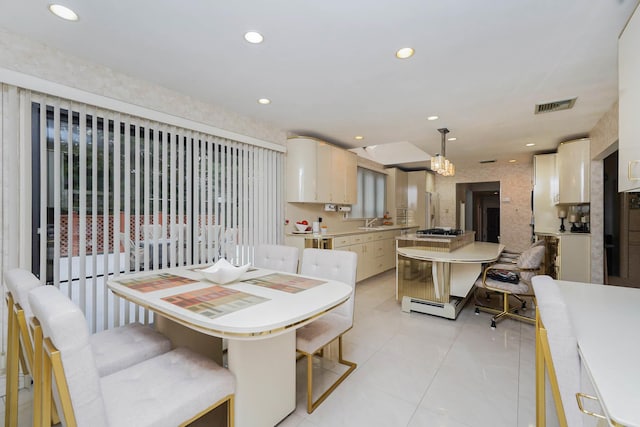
x,y
633,165
579,397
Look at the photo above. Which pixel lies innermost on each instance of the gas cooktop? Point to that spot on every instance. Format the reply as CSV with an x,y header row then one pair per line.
x,y
440,232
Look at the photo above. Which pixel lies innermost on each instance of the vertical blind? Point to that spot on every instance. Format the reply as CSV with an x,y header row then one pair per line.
x,y
372,190
122,193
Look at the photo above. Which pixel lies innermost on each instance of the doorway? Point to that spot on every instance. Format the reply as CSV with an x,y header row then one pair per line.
x,y
478,209
621,229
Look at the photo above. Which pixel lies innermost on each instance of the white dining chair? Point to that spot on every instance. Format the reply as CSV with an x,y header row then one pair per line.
x,y
172,389
229,247
152,231
113,349
276,257
136,253
210,241
313,337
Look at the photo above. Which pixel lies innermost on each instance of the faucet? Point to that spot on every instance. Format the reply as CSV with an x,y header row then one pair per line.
x,y
369,222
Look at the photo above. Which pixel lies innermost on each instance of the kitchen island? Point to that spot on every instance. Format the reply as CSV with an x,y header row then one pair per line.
x,y
435,274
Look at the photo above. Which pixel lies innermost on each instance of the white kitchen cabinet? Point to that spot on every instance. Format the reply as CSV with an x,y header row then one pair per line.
x,y
302,170
573,165
343,176
375,250
629,105
318,172
545,193
416,200
573,262
402,185
431,182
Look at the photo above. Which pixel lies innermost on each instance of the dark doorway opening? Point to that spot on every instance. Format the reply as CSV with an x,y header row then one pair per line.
x,y
478,209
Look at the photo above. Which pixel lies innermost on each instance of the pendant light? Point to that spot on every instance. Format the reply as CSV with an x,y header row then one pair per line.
x,y
439,162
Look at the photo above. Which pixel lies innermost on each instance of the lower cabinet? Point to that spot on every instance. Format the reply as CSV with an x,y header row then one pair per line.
x,y
375,250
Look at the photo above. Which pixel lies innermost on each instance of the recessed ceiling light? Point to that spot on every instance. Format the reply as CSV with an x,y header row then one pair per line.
x,y
358,137
264,101
453,138
404,53
63,12
433,117
531,144
253,37
512,161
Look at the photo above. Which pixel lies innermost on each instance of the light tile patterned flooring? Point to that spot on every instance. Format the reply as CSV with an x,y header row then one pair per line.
x,y
416,370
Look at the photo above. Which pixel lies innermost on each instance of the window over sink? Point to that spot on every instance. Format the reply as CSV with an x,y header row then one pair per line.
x,y
372,190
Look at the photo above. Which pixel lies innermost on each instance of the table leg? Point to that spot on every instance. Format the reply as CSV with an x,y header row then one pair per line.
x,y
182,336
265,372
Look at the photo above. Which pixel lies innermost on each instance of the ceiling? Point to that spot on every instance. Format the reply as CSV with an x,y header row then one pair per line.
x,y
330,70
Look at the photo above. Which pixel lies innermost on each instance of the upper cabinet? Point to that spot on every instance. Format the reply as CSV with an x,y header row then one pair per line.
x,y
318,172
629,105
573,165
402,186
545,192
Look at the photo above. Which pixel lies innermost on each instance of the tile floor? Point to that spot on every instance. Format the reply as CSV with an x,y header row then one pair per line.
x,y
416,370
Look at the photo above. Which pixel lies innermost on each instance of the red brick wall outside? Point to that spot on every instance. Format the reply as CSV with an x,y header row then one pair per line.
x,y
75,219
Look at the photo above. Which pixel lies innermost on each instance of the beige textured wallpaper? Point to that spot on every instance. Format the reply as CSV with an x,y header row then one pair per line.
x,y
604,141
515,193
18,53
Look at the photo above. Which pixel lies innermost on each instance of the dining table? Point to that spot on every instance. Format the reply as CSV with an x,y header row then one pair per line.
x,y
258,314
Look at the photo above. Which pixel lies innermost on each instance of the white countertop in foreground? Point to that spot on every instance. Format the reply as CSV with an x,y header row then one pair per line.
x,y
606,320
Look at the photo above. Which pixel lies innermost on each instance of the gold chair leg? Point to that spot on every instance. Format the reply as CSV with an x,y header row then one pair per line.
x,y
38,360
311,405
13,344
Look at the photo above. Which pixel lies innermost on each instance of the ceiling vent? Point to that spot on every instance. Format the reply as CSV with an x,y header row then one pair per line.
x,y
551,107
488,161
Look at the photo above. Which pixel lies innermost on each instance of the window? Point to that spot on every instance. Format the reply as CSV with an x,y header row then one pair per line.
x,y
122,193
372,190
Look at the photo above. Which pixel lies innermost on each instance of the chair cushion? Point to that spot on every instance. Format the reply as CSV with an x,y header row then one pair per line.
x,y
166,390
20,282
515,288
119,348
315,335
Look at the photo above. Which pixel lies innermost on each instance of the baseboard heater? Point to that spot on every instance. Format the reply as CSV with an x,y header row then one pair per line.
x,y
448,310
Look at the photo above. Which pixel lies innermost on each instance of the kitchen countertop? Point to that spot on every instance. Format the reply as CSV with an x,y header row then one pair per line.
x,y
605,320
558,233
351,232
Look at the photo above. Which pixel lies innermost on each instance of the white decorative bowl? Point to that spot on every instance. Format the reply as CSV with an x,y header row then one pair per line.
x,y
301,227
223,272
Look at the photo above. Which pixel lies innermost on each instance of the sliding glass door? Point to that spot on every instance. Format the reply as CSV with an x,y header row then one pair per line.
x,y
114,193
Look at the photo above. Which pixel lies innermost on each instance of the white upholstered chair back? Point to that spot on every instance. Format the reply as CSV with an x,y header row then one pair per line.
x,y
152,231
276,257
333,265
20,282
63,322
